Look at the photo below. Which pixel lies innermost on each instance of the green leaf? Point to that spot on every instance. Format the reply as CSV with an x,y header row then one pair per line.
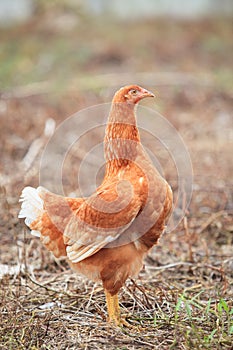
x,y
224,305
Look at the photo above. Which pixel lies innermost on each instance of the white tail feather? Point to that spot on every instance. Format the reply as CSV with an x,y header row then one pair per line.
x,y
32,206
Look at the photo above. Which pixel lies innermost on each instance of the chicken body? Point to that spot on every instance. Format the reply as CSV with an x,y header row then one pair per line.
x,y
106,236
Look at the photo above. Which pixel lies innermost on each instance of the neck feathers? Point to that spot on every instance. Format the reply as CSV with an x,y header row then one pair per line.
x,y
121,135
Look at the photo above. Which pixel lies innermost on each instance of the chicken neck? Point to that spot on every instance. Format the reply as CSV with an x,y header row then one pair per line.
x,y
121,137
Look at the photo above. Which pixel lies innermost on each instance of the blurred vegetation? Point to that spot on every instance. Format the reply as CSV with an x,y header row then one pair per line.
x,y
62,43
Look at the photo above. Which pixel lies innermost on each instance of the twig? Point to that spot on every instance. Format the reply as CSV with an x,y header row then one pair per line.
x,y
188,239
169,266
209,221
49,288
91,295
37,144
141,290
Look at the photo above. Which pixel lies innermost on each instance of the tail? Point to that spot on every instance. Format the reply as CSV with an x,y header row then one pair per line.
x,y
32,206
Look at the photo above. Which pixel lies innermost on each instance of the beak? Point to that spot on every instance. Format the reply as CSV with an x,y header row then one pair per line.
x,y
146,93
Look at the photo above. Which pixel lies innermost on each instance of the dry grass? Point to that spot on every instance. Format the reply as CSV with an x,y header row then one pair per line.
x,y
174,305
183,297
181,300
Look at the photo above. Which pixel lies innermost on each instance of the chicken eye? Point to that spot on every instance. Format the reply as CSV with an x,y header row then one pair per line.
x,y
133,92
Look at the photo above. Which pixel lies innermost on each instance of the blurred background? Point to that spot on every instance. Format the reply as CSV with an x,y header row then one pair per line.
x,y
58,57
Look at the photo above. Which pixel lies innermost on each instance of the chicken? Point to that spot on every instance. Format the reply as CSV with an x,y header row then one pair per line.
x,y
107,235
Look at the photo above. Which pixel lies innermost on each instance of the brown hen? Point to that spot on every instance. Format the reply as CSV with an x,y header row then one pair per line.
x,y
106,236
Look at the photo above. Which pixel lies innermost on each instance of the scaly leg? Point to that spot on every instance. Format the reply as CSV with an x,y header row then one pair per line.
x,y
114,315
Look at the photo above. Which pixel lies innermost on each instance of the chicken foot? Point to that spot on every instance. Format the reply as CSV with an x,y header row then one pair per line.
x,y
114,314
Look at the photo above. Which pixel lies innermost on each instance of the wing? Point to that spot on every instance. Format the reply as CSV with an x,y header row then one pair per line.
x,y
101,219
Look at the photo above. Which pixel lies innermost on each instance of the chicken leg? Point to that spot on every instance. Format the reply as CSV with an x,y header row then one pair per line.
x,y
114,314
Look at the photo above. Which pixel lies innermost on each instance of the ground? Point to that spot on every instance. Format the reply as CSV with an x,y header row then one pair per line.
x,y
182,298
